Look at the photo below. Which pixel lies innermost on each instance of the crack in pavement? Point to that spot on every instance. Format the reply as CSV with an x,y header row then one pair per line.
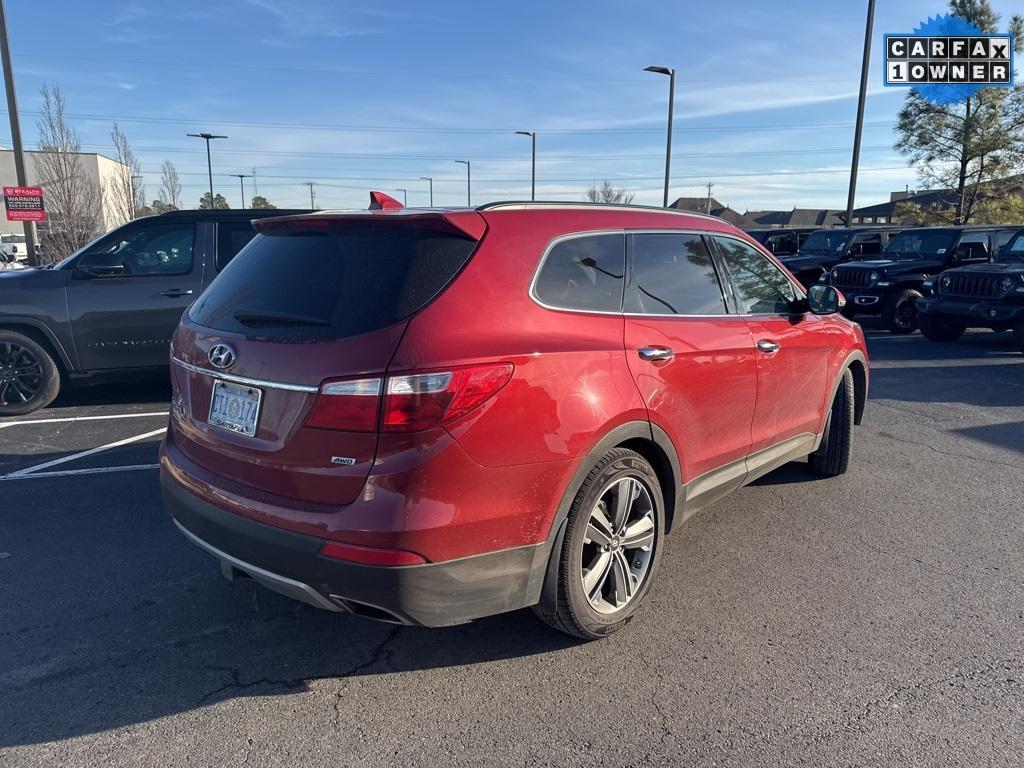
x,y
238,685
380,653
954,454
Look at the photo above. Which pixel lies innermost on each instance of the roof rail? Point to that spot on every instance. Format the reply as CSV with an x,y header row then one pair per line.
x,y
510,205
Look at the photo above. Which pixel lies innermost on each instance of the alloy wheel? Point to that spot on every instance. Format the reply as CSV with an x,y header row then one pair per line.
x,y
906,314
21,374
618,545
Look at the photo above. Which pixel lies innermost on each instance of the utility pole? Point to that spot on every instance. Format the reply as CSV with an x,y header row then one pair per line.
x,y
710,185
429,179
12,111
209,164
312,197
668,142
241,181
255,189
469,196
533,161
864,64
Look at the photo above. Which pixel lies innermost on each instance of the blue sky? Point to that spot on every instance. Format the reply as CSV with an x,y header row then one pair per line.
x,y
374,95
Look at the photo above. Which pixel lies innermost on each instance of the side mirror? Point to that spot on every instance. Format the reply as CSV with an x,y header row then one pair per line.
x,y
102,265
824,299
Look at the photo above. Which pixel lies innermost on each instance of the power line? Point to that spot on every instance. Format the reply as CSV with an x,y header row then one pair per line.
x,y
409,129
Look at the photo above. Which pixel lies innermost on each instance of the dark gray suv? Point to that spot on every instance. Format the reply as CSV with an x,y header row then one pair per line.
x,y
112,307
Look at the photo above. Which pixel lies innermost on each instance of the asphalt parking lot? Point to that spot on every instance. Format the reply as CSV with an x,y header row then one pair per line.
x,y
874,619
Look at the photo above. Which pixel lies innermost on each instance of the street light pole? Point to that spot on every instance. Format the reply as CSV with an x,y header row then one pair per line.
x,y
405,196
209,164
312,199
668,142
864,64
469,196
431,180
12,111
533,161
241,181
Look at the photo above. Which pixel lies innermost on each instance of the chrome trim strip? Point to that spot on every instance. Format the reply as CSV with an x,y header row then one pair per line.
x,y
245,379
272,581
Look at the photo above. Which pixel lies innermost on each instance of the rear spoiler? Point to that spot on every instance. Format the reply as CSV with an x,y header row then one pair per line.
x,y
462,222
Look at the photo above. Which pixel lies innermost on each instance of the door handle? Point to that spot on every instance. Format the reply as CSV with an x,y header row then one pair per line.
x,y
655,353
174,293
768,347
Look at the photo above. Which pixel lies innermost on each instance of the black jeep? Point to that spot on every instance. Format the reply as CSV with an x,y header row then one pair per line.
x,y
111,308
826,248
891,285
781,242
977,296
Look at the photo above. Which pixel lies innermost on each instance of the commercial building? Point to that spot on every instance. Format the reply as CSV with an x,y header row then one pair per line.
x,y
97,167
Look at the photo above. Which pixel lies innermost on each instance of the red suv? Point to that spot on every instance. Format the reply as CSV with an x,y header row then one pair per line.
x,y
429,416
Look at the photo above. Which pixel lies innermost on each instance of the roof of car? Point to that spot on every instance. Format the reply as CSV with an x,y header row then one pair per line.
x,y
230,213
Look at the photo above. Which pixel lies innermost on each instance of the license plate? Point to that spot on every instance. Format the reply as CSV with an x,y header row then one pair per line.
x,y
235,407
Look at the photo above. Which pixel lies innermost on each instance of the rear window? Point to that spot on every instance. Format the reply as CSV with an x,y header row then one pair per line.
x,y
584,273
331,283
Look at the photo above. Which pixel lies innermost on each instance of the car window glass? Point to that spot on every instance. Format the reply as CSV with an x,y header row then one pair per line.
x,y
1002,238
232,236
673,275
976,241
584,273
155,250
760,286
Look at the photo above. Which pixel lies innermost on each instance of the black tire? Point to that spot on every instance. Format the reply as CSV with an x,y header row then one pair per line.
x,y
833,456
940,328
900,311
29,376
568,608
1018,334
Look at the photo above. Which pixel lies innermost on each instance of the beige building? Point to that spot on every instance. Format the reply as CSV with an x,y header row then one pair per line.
x,y
98,167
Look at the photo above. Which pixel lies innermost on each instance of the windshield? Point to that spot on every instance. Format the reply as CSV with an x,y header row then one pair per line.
x,y
1013,250
920,243
825,240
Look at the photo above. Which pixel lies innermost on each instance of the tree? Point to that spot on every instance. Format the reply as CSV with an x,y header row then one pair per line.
x,y
606,193
170,188
74,199
127,192
259,201
965,146
1000,209
159,206
218,202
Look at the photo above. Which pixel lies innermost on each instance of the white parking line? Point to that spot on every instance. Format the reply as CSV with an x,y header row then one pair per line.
x,y
67,472
83,418
83,454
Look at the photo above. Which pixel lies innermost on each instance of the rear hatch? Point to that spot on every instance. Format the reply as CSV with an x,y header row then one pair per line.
x,y
304,321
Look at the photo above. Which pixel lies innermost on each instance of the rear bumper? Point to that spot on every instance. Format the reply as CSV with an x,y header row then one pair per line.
x,y
432,595
981,313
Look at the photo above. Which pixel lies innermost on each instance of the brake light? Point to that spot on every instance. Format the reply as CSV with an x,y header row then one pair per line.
x,y
370,555
424,400
412,402
348,405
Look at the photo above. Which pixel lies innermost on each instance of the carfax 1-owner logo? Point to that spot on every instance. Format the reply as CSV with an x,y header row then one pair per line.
x,y
947,59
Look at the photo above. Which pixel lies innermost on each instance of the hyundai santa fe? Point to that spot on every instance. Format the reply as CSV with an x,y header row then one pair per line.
x,y
430,416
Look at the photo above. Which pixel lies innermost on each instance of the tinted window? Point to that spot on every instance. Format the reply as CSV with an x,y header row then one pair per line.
x,y
825,240
760,287
1014,251
783,243
331,283
870,244
164,249
673,275
1002,238
232,236
913,244
584,273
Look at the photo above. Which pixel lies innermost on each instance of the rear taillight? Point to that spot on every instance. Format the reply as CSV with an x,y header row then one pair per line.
x,y
348,405
412,402
424,400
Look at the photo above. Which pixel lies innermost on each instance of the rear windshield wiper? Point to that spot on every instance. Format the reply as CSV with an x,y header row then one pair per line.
x,y
265,319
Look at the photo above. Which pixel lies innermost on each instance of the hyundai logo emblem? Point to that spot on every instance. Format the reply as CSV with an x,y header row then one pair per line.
x,y
221,356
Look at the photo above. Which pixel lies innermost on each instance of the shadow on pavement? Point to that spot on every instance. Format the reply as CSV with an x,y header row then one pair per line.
x,y
1009,435
155,388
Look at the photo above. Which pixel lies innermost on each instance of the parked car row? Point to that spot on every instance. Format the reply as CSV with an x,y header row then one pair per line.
x,y
903,274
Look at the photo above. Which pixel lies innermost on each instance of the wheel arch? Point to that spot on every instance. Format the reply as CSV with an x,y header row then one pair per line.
x,y
42,336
